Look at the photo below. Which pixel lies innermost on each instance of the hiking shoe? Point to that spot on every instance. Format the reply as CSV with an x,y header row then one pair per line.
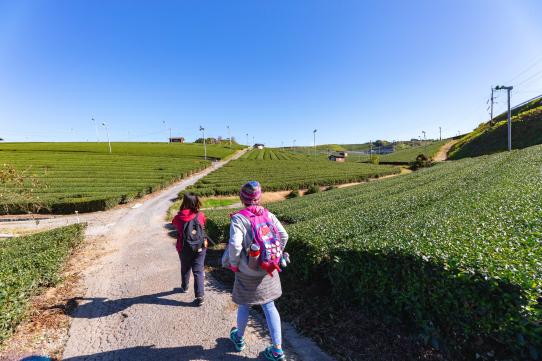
x,y
238,342
200,301
274,354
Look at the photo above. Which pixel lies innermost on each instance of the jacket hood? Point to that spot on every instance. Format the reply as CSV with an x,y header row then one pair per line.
x,y
187,215
255,209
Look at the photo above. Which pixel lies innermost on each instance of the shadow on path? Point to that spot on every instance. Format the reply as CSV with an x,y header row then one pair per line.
x,y
223,351
102,307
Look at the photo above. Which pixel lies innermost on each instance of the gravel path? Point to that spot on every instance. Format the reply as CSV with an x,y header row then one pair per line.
x,y
133,310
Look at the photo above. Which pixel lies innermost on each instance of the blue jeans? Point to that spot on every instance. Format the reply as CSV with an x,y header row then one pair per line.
x,y
271,316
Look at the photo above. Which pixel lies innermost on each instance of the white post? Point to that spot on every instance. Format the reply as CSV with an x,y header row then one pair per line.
x,y
229,134
96,128
314,141
107,132
202,129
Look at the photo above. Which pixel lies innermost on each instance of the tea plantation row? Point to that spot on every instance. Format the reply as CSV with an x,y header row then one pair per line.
x,y
454,251
27,264
85,177
276,175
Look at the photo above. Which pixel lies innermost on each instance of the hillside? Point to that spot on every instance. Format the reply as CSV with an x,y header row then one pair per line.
x,y
491,138
409,155
452,252
86,177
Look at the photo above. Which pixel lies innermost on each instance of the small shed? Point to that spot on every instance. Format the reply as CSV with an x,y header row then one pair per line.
x,y
344,154
176,140
258,146
336,158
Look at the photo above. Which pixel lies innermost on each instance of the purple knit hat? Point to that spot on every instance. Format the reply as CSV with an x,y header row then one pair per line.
x,y
251,193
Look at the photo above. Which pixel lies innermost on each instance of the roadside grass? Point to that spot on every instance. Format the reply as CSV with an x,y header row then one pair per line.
x,y
207,203
28,264
84,177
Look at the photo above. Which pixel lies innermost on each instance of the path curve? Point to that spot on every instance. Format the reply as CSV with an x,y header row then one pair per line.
x,y
132,309
442,154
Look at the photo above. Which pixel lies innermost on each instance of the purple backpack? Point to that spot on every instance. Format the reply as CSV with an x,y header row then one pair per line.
x,y
266,235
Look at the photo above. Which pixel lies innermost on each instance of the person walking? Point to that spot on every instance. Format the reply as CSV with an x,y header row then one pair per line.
x,y
191,244
254,253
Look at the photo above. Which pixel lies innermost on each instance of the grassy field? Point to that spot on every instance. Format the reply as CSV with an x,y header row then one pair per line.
x,y
85,177
452,252
282,170
488,139
27,264
409,155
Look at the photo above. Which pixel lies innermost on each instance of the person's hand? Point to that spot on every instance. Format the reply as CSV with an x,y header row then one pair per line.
x,y
234,268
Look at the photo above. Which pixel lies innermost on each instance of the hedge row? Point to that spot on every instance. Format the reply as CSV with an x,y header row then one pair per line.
x,y
26,265
277,175
454,251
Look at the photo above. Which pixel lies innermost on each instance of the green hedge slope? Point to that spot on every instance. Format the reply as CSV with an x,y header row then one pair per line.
x,y
27,264
489,139
453,251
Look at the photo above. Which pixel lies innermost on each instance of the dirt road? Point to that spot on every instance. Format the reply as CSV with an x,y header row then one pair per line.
x,y
442,154
132,308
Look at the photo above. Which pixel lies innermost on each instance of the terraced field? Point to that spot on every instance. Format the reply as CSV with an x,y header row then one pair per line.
x,y
283,170
453,252
409,155
85,177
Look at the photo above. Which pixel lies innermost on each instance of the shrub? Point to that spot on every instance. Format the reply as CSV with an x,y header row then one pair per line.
x,y
375,159
313,189
293,194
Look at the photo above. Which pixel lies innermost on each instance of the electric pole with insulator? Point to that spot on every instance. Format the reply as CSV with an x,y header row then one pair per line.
x,y
508,89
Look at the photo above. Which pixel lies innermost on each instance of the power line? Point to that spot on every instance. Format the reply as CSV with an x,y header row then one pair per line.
x,y
537,61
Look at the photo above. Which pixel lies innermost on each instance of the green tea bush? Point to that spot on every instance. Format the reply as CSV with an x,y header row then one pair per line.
x,y
26,265
86,178
285,171
453,251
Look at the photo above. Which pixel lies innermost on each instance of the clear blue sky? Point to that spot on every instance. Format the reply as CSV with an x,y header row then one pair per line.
x,y
355,70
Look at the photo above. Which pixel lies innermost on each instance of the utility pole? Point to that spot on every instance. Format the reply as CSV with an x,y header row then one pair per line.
x,y
439,133
491,106
96,128
202,130
370,150
229,134
314,135
247,139
508,89
107,132
424,144
294,145
253,142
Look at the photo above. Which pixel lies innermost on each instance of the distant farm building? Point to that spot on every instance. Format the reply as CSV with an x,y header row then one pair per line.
x,y
176,140
344,154
336,158
258,146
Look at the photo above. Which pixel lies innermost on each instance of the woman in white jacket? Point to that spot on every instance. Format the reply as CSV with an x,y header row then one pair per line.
x,y
253,286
